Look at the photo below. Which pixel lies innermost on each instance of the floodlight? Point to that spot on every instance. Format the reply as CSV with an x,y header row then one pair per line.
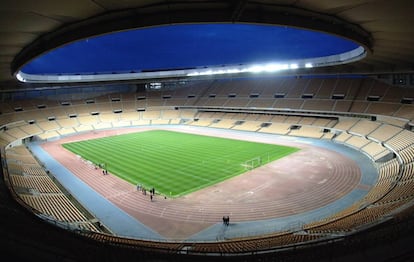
x,y
19,77
255,69
272,67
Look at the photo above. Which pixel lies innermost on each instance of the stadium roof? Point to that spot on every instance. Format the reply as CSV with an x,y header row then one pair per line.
x,y
166,48
29,28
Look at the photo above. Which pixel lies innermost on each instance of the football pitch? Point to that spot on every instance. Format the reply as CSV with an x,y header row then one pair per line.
x,y
176,163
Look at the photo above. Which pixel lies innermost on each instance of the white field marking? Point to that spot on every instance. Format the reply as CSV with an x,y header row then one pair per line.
x,y
253,190
187,174
322,181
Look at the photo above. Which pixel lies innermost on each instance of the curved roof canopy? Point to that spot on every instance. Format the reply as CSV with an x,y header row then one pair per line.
x,y
191,50
384,28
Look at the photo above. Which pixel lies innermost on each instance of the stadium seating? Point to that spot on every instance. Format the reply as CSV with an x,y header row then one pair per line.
x,y
298,107
33,185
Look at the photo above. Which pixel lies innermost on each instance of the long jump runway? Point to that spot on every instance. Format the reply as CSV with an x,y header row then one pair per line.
x,y
319,180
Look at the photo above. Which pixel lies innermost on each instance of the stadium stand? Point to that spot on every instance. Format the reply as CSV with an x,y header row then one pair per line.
x,y
378,139
371,110
356,132
35,188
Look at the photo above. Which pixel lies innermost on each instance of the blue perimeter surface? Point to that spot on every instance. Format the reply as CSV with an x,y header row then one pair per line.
x,y
122,224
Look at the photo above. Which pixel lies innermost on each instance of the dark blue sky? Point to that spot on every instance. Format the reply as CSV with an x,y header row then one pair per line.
x,y
182,46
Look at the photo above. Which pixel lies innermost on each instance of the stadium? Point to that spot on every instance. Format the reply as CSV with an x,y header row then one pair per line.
x,y
307,159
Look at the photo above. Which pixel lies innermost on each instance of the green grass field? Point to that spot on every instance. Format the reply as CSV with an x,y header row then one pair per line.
x,y
176,163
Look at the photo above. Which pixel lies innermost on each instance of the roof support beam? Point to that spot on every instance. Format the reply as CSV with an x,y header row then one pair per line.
x,y
238,9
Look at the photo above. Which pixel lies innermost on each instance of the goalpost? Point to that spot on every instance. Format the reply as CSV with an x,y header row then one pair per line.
x,y
252,163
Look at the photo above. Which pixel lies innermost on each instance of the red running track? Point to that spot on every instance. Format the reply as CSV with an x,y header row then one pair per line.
x,y
308,179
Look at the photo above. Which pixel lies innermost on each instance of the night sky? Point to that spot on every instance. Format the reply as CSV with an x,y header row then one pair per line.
x,y
184,46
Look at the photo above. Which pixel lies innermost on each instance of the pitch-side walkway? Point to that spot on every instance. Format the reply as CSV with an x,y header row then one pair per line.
x,y
122,224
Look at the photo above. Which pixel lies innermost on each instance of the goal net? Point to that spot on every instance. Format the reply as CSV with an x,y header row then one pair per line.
x,y
252,163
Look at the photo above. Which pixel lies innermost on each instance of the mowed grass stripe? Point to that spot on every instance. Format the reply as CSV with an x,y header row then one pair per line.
x,y
172,162
101,146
